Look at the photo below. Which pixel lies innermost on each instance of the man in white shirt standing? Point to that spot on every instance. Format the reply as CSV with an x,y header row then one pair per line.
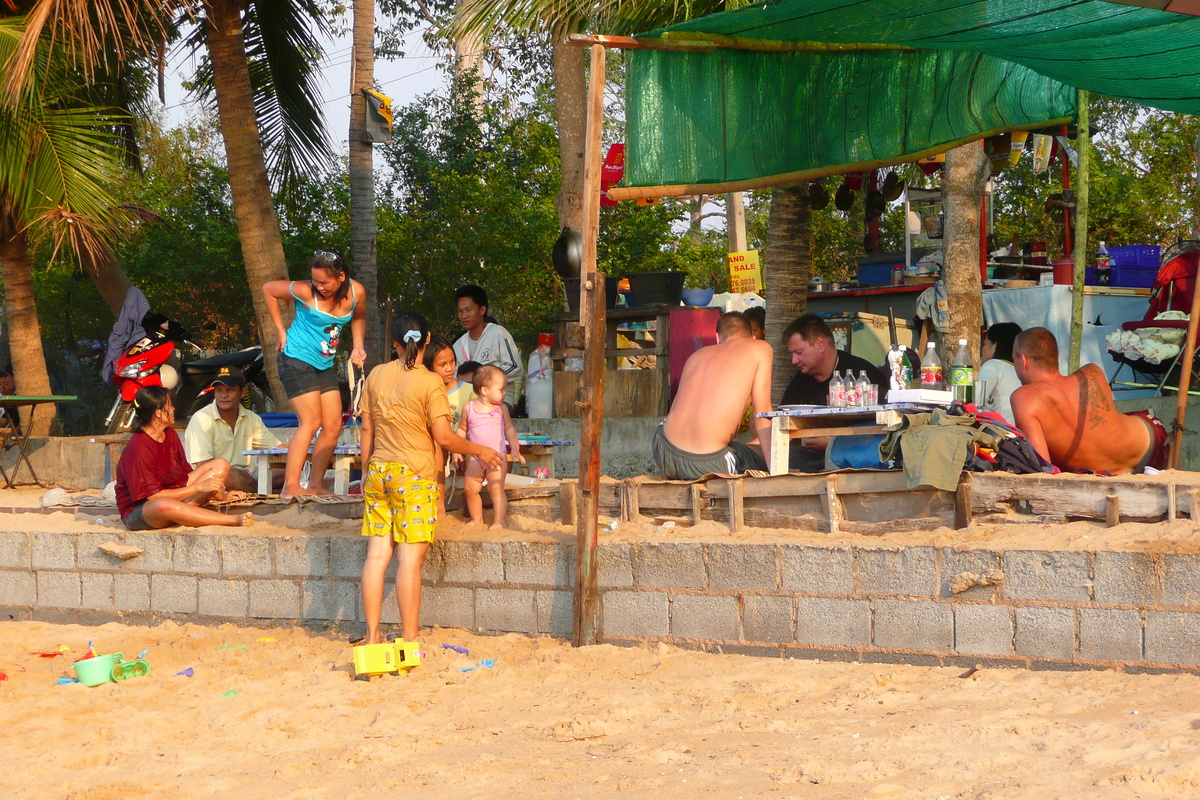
x,y
487,341
225,428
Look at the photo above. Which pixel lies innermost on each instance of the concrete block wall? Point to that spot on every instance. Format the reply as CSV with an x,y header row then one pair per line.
x,y
1041,609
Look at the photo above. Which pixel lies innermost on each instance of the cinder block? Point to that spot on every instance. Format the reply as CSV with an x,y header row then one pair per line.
x,y
196,554
906,571
1181,580
435,563
914,624
88,554
53,551
303,556
635,614
505,610
174,594
673,566
833,621
473,562
1110,634
131,592
245,555
156,552
17,588
695,616
979,562
555,613
97,591
1173,637
614,565
742,566
58,589
224,598
330,599
767,618
817,570
1046,575
1125,578
275,599
346,556
538,563
14,550
1045,632
391,609
448,607
983,629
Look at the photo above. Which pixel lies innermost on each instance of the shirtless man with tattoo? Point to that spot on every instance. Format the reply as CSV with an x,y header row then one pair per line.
x,y
1072,420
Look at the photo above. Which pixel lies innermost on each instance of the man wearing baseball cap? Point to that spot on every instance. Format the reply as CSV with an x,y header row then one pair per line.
x,y
225,428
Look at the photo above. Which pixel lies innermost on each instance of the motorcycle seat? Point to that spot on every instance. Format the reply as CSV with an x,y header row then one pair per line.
x,y
238,358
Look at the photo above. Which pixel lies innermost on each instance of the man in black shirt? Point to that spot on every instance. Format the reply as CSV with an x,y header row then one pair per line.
x,y
815,356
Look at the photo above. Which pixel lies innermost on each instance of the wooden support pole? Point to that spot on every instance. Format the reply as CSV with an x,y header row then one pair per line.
x,y
962,504
1185,381
1172,508
737,507
1084,143
833,504
1112,511
591,386
1193,504
568,501
695,497
630,506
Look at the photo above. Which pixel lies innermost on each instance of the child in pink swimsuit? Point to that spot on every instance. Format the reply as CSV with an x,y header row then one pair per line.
x,y
485,421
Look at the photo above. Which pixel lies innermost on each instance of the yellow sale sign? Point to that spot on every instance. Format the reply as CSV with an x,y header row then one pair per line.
x,y
745,274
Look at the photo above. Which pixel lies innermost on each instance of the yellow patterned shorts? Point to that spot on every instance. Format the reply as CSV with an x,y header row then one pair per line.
x,y
400,503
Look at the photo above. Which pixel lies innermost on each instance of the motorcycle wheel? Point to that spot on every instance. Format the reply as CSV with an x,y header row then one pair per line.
x,y
260,402
122,421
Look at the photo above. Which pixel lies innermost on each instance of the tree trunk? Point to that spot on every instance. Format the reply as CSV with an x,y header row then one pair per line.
x,y
111,281
966,173
25,334
570,99
258,227
362,177
787,266
468,53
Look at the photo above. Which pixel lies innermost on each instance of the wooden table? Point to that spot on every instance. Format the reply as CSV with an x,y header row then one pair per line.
x,y
21,435
821,421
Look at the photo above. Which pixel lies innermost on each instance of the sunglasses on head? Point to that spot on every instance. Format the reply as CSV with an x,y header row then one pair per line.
x,y
327,255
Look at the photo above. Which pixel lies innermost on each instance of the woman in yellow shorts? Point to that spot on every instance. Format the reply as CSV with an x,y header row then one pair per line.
x,y
405,412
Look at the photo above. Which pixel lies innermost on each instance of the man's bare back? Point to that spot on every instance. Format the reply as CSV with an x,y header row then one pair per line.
x,y
1073,422
716,384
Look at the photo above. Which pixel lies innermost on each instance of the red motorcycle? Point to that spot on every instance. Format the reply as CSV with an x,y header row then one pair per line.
x,y
150,361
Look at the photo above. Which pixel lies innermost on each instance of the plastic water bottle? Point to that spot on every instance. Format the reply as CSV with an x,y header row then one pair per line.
x,y
863,386
931,368
896,365
837,391
962,374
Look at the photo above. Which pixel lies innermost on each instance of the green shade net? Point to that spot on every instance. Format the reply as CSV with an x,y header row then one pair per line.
x,y
980,66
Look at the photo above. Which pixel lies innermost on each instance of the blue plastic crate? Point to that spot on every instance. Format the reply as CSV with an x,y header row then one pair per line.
x,y
877,274
1135,255
1134,277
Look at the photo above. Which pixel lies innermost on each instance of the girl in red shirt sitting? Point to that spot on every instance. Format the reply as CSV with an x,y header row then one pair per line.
x,y
156,487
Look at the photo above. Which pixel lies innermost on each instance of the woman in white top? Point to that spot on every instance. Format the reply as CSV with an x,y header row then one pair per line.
x,y
998,371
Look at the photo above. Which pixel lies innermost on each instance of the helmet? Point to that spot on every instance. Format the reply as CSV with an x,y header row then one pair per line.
x,y
168,376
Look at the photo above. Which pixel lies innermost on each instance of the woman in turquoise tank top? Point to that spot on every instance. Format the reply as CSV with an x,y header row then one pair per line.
x,y
324,306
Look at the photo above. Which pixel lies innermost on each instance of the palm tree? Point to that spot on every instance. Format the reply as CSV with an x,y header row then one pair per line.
x,y
60,161
966,171
787,266
363,226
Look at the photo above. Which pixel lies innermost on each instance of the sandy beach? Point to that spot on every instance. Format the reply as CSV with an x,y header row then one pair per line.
x,y
552,721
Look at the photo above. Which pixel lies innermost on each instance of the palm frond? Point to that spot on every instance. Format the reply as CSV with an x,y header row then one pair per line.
x,y
94,33
560,17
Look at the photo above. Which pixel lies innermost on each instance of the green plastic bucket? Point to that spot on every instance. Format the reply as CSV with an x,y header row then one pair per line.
x,y
98,670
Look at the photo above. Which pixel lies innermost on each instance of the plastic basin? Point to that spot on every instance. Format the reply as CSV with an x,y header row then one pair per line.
x,y
98,670
698,297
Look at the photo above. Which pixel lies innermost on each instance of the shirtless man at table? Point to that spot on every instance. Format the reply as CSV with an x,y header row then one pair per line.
x,y
1072,420
696,438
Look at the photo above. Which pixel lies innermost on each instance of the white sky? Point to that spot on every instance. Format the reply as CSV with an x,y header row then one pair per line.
x,y
403,80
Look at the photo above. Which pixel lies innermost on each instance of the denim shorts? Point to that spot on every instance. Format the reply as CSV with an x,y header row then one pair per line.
x,y
135,521
299,377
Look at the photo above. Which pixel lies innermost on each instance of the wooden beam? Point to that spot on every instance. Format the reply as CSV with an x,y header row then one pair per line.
x,y
1112,511
805,175
568,501
962,505
737,512
591,387
833,504
694,491
705,42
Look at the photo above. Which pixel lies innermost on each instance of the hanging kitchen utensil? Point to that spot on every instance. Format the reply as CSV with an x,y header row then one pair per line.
x,y
567,255
818,196
843,200
892,193
874,204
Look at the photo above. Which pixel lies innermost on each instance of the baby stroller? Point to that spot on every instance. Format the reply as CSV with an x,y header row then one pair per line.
x,y
1172,291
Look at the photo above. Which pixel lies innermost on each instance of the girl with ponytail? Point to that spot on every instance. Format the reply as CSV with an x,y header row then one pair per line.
x,y
406,418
